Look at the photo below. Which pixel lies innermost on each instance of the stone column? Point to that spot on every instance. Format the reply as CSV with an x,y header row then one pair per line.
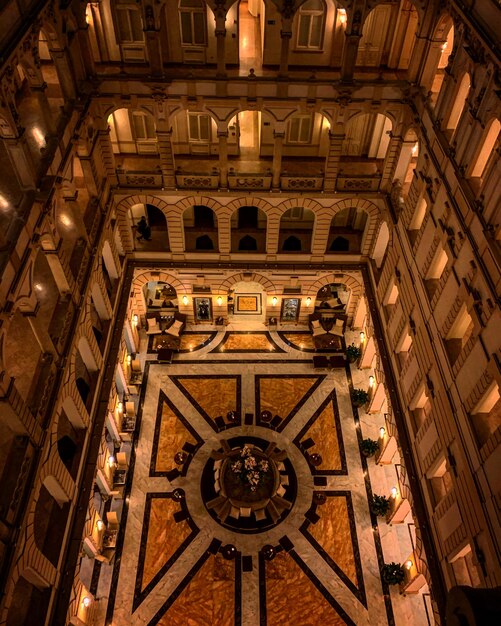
x,y
285,36
88,174
336,138
277,159
106,153
221,40
152,37
223,158
349,58
166,157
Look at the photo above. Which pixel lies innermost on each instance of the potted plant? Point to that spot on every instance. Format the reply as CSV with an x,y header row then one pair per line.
x,y
359,397
369,447
353,353
392,573
380,505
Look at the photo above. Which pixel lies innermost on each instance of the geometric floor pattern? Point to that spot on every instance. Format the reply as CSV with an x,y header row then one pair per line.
x,y
170,568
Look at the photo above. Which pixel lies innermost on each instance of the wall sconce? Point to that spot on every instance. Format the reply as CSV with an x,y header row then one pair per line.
x,y
394,492
382,432
100,524
362,337
342,16
408,564
414,149
219,301
111,461
274,301
185,300
308,301
129,359
371,381
120,407
135,318
86,601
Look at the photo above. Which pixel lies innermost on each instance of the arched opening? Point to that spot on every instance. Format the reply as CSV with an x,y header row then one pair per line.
x,y
487,146
204,243
373,47
333,297
29,604
69,444
381,244
366,141
339,244
132,132
151,228
110,271
407,160
347,225
160,295
296,230
49,525
86,372
403,38
247,244
200,229
248,230
438,57
459,104
246,303
244,137
250,45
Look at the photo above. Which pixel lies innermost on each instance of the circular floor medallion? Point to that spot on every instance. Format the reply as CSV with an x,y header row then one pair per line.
x,y
248,485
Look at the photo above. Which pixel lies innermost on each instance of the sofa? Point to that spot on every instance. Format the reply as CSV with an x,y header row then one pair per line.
x,y
327,333
171,335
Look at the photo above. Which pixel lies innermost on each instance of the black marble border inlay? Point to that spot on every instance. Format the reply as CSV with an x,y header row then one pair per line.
x,y
332,397
176,379
315,581
221,349
163,398
285,418
139,596
357,590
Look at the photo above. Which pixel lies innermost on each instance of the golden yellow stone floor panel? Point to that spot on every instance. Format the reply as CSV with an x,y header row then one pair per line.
x,y
209,597
165,535
293,600
193,341
246,341
281,395
172,435
214,395
300,341
324,432
333,533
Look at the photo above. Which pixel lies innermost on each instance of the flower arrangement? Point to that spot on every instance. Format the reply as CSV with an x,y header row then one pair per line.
x,y
250,469
369,447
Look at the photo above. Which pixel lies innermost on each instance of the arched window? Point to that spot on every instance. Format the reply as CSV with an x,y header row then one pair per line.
x,y
310,29
459,102
488,144
192,22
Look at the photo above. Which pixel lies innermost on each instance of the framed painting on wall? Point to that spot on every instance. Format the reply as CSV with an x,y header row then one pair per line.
x,y
248,303
290,309
202,307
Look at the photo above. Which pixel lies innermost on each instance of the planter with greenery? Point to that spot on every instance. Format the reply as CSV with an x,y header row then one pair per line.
x,y
380,505
369,447
392,573
359,397
353,353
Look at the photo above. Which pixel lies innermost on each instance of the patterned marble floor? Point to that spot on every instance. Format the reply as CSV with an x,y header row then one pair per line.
x,y
170,568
